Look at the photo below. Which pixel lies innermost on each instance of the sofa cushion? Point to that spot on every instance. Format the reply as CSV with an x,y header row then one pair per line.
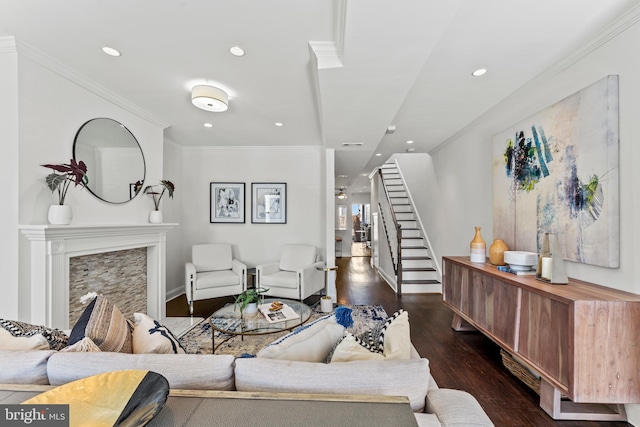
x,y
149,336
105,325
185,371
24,367
456,408
279,279
16,335
308,343
295,257
387,378
216,279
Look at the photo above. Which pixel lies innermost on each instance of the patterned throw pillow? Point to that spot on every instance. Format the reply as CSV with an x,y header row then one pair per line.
x,y
389,340
85,345
105,325
149,336
24,336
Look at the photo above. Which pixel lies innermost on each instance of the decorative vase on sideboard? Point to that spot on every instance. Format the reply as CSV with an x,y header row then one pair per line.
x,y
496,252
155,217
60,215
478,248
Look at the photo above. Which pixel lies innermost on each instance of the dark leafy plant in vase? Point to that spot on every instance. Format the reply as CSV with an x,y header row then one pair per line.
x,y
249,296
157,191
74,172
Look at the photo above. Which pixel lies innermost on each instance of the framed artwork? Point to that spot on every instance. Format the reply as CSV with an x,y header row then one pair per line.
x,y
268,203
227,202
557,172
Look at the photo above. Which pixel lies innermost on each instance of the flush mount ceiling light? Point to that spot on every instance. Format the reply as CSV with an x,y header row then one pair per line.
x,y
111,51
210,98
236,51
208,125
479,72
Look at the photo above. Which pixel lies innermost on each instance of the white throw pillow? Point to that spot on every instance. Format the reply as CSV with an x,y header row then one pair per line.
x,y
397,338
308,343
16,335
350,350
389,341
149,336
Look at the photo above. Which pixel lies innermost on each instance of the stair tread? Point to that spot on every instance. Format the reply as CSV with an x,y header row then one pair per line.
x,y
418,282
414,258
415,247
418,269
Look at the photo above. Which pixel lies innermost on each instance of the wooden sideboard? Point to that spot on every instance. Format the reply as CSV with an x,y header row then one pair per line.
x,y
582,339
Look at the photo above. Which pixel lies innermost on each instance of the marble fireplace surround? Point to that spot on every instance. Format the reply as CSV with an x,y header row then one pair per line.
x,y
51,247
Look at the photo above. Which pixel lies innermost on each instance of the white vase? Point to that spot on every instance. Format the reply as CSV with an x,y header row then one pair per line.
x,y
60,214
155,217
326,305
251,308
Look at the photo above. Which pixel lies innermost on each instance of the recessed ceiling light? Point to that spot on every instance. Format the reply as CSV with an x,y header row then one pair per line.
x,y
409,142
378,154
236,51
111,51
410,150
342,176
365,174
279,124
479,72
208,125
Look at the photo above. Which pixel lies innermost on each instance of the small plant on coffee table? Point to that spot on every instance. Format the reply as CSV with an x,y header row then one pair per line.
x,y
249,296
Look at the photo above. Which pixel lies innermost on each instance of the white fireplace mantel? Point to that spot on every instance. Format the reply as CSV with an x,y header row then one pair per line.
x,y
51,247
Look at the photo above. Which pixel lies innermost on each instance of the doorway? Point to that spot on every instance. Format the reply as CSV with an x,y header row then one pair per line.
x,y
361,229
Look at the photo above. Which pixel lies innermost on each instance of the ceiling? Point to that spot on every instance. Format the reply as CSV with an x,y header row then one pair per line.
x,y
332,71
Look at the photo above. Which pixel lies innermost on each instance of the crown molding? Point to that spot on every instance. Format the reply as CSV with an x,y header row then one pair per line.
x,y
610,32
327,55
88,84
8,45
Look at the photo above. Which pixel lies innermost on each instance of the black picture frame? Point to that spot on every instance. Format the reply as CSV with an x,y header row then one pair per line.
x,y
227,202
268,202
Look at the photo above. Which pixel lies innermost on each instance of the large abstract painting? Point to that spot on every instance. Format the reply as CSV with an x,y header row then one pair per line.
x,y
557,172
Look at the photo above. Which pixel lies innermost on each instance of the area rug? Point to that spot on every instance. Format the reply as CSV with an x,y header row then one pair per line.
x,y
198,339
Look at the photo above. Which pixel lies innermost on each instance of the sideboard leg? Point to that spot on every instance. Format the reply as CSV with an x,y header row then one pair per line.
x,y
458,324
559,408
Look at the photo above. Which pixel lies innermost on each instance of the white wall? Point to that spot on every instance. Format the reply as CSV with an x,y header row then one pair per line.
x,y
10,194
50,110
301,168
462,168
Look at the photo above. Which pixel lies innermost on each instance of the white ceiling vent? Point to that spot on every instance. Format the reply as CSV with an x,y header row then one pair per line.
x,y
352,144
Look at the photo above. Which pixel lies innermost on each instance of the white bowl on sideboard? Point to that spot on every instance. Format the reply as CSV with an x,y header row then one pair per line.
x,y
520,258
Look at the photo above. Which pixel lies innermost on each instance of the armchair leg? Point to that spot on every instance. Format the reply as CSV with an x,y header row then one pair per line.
x,y
190,300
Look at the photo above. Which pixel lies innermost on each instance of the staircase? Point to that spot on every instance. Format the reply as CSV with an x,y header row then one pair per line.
x,y
415,271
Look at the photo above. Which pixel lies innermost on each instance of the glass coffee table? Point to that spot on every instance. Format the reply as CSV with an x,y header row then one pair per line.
x,y
230,321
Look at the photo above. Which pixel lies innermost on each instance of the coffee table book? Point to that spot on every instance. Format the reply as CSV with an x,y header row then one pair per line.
x,y
282,315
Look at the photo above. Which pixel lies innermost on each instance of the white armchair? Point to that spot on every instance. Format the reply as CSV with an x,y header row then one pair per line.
x,y
213,273
295,276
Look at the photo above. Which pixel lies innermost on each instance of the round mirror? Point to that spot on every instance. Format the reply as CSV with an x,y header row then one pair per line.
x,y
113,157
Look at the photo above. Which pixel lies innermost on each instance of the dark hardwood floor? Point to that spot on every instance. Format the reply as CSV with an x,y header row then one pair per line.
x,y
461,360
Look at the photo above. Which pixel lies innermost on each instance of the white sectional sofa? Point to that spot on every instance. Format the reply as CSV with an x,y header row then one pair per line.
x,y
412,378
